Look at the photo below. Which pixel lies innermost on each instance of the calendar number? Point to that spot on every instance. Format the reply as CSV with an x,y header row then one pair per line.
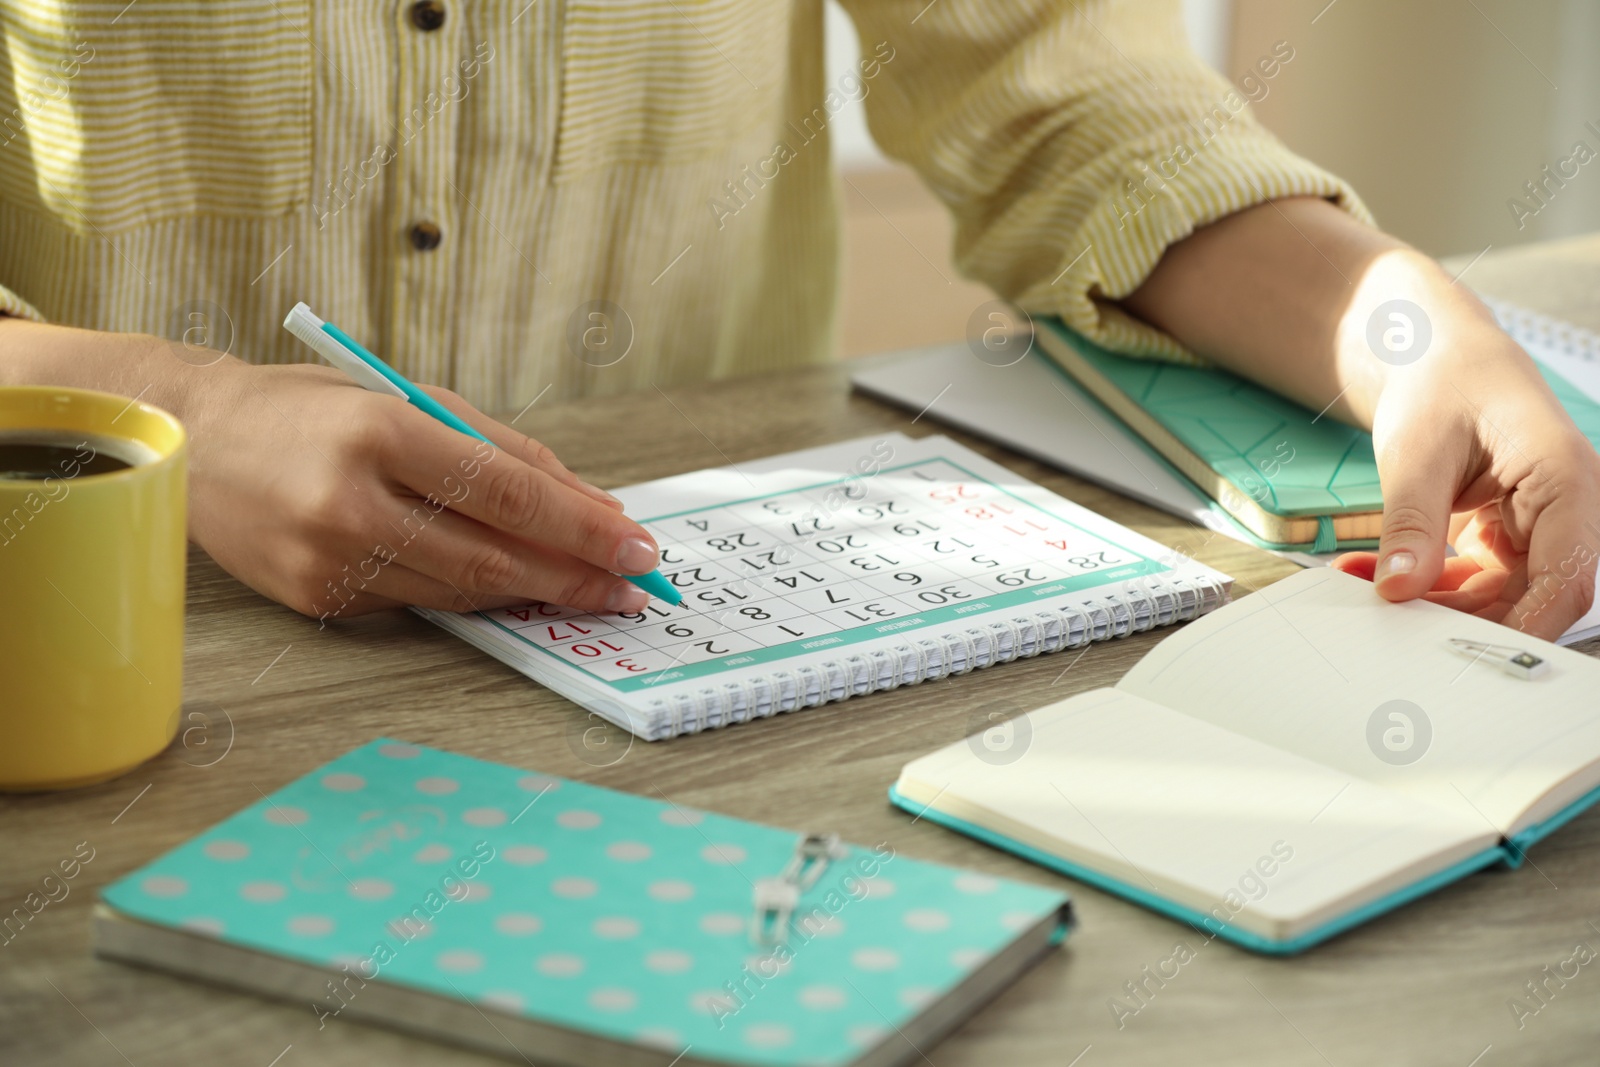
x,y
952,494
807,527
793,580
841,544
733,543
884,509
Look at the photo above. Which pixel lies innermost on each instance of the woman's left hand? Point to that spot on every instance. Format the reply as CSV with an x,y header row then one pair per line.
x,y
1473,449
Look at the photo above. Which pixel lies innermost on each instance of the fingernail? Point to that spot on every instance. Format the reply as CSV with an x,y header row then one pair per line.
x,y
595,490
637,556
1396,563
627,599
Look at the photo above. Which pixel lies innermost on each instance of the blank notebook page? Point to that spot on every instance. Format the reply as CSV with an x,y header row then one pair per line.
x,y
1182,809
1305,665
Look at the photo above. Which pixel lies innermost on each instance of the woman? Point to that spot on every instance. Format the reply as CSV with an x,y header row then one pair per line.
x,y
470,187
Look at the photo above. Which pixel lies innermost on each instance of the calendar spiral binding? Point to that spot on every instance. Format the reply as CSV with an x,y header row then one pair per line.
x,y
1531,327
1160,602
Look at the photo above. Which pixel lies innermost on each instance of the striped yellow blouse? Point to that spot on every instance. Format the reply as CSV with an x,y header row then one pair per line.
x,y
588,196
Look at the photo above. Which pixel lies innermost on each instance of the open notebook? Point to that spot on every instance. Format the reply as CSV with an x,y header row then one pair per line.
x,y
833,572
1290,766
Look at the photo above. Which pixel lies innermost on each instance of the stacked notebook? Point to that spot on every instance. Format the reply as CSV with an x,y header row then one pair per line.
x,y
1286,474
555,922
1208,445
1290,766
1279,453
834,572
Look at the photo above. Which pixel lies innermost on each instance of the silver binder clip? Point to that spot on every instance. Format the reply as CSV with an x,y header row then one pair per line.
x,y
1513,661
777,897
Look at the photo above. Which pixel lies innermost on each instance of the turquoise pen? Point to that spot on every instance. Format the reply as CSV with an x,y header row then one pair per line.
x,y
370,372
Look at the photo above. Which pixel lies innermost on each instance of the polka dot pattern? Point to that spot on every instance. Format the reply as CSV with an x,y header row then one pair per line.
x,y
518,924
459,961
484,817
372,889
628,851
822,997
503,1000
926,920
671,890
722,923
875,959
769,1035
613,999
310,925
660,1037
524,855
616,928
578,819
165,885
226,851
592,909
574,888
285,815
263,892
560,965
723,854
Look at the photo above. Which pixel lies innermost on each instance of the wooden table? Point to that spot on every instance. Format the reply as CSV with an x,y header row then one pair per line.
x,y
270,697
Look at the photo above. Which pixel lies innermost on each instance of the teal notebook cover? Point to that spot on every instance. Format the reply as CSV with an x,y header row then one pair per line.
x,y
1243,431
579,906
1509,852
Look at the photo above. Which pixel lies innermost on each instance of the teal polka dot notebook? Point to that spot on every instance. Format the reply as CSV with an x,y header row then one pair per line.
x,y
537,917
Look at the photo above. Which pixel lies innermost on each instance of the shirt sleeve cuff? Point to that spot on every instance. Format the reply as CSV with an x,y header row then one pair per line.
x,y
1156,202
13,305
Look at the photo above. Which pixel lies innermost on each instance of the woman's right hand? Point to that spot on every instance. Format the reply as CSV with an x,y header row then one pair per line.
x,y
337,501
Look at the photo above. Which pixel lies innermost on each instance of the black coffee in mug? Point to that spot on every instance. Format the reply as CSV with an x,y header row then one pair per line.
x,y
45,454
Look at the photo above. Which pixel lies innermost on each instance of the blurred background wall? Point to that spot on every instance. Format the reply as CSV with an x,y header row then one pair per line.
x,y
1439,111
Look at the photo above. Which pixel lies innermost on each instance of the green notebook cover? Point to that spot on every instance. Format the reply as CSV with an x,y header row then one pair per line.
x,y
1246,432
581,907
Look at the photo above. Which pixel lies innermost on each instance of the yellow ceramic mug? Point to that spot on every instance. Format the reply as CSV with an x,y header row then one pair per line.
x,y
91,589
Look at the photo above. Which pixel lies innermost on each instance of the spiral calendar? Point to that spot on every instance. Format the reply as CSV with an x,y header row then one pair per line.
x,y
834,572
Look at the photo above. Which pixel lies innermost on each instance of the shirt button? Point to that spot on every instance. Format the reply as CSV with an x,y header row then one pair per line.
x,y
427,15
425,236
